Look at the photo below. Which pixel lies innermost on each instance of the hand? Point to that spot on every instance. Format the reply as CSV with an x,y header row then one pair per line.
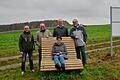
x,y
21,53
76,37
57,53
47,36
60,53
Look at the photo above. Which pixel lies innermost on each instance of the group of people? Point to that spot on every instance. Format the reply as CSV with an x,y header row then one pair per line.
x,y
59,51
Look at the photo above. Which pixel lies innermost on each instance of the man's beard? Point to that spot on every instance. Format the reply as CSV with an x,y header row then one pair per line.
x,y
42,31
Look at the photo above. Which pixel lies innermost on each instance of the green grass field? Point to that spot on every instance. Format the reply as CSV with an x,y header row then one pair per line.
x,y
99,67
9,41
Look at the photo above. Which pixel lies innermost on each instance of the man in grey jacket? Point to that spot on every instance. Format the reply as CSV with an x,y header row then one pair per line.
x,y
42,33
79,35
60,30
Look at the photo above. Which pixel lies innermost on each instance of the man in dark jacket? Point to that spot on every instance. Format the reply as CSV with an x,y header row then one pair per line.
x,y
79,35
26,46
60,30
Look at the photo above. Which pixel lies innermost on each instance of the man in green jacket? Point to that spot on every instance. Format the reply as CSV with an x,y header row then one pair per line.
x,y
26,46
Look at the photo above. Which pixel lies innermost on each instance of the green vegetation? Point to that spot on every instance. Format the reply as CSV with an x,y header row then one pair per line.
x,y
9,41
99,67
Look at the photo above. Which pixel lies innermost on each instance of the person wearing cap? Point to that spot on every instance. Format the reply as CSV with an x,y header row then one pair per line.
x,y
26,46
59,52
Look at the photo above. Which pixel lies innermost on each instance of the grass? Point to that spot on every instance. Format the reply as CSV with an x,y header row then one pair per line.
x,y
99,66
9,41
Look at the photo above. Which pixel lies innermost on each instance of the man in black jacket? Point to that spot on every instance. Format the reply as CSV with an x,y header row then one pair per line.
x,y
60,30
26,46
79,35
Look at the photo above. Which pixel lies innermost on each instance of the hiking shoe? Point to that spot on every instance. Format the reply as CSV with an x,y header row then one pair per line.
x,y
22,72
63,66
57,66
32,70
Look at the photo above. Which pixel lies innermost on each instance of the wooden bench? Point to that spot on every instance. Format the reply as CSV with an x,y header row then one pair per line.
x,y
47,64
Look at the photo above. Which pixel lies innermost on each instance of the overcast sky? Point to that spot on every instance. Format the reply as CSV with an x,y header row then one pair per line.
x,y
87,11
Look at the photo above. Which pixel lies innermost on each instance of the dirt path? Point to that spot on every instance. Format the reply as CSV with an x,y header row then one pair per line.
x,y
12,66
13,57
18,56
36,61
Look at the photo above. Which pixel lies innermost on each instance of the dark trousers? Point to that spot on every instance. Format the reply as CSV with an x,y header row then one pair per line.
x,y
81,49
39,50
24,60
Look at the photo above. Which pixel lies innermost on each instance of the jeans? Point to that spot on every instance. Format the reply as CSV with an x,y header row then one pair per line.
x,y
59,59
24,60
81,49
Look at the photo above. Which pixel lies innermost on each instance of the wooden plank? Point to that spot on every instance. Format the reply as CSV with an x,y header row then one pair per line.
x,y
51,45
54,69
46,45
70,63
65,42
72,54
66,61
47,63
49,52
67,68
50,48
46,58
53,66
49,42
50,58
56,41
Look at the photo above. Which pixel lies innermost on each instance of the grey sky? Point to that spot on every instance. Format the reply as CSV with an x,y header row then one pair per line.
x,y
87,11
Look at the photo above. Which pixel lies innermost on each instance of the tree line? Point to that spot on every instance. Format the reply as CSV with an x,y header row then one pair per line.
x,y
34,24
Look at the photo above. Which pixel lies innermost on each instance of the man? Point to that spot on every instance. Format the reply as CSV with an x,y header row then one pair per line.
x,y
60,30
79,35
26,46
42,33
59,51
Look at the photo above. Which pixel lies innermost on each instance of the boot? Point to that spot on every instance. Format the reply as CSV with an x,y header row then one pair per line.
x,y
63,66
57,66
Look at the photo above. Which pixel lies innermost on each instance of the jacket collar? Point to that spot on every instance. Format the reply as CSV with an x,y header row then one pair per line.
x,y
60,26
26,32
56,44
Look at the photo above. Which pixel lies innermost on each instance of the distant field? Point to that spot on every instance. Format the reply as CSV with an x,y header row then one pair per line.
x,y
9,41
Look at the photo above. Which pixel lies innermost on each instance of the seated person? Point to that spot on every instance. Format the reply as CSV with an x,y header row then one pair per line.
x,y
59,52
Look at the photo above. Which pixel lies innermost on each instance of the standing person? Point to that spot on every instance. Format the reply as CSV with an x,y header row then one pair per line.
x,y
79,35
59,52
42,33
26,46
60,30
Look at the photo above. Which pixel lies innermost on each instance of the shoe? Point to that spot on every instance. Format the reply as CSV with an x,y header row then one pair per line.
x,y
57,66
22,72
63,66
32,70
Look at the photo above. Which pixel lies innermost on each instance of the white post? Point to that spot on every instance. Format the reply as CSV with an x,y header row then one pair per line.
x,y
111,48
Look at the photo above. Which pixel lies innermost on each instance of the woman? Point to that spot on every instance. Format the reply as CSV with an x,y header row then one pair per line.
x,y
59,52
